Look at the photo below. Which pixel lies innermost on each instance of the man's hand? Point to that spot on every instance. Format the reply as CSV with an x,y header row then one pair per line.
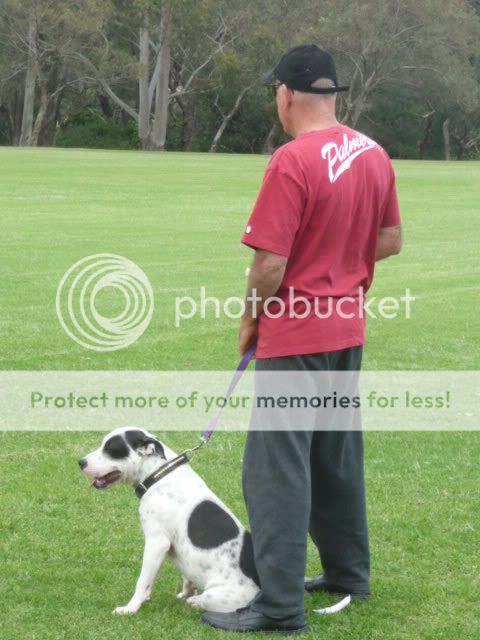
x,y
248,333
389,242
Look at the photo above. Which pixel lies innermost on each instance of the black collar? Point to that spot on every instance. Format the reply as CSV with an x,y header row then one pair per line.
x,y
142,488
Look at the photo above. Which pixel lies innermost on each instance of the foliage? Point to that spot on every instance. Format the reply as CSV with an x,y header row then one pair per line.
x,y
90,129
403,60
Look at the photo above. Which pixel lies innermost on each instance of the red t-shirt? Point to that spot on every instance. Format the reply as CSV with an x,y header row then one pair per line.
x,y
323,200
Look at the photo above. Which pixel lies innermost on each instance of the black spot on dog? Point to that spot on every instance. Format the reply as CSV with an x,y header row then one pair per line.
x,y
116,447
247,562
209,526
137,438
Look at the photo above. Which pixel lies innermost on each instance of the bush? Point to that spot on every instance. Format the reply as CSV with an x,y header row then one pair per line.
x,y
91,129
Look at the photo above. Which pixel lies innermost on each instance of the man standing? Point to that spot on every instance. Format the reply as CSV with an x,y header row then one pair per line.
x,y
326,211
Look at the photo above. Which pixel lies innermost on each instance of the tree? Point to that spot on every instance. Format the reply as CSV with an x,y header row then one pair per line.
x,y
39,38
381,44
185,73
160,30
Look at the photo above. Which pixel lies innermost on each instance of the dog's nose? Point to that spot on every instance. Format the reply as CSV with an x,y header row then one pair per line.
x,y
82,463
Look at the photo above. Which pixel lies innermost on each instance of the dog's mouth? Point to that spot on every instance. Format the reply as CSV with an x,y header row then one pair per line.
x,y
105,481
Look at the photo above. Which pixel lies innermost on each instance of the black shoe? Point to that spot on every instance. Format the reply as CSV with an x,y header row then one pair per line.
x,y
321,584
247,619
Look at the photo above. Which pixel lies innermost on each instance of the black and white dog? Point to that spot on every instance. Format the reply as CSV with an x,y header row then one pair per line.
x,y
181,517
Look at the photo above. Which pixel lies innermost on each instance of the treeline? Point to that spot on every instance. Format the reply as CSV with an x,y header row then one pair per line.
x,y
184,74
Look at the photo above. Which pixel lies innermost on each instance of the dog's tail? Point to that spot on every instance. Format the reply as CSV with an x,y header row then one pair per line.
x,y
336,607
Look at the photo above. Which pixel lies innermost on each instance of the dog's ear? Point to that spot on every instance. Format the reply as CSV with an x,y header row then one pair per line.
x,y
144,445
147,448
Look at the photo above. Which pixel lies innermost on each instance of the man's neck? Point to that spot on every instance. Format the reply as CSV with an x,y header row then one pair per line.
x,y
318,125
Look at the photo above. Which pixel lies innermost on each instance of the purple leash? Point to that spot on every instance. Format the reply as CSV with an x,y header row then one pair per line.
x,y
185,456
240,370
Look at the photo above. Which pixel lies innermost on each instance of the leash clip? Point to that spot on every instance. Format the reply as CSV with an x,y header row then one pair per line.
x,y
205,437
194,450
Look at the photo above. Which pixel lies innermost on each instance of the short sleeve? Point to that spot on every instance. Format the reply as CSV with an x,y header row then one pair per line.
x,y
278,211
391,212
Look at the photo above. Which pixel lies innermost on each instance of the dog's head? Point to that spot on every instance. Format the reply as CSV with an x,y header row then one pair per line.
x,y
122,457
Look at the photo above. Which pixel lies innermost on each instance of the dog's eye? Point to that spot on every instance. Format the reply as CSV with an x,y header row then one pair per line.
x,y
116,447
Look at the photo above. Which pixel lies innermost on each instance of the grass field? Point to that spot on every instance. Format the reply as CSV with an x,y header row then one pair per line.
x,y
68,556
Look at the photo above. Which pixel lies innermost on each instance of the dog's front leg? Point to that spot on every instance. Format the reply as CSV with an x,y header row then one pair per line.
x,y
156,548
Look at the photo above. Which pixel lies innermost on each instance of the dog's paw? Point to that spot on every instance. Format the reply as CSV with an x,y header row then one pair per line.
x,y
194,601
184,595
127,609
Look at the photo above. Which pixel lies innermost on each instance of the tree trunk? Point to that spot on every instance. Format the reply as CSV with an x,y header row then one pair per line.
x,y
105,106
52,115
446,138
354,110
159,129
42,110
226,120
12,137
29,94
143,82
460,137
422,144
8,120
269,146
187,128
16,116
355,107
106,87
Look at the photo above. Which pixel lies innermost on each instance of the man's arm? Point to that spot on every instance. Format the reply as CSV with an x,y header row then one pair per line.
x,y
266,274
389,242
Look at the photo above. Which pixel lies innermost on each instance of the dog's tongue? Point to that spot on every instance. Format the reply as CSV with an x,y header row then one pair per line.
x,y
104,481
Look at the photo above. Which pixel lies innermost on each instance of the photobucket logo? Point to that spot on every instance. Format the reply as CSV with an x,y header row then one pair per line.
x,y
79,289
295,306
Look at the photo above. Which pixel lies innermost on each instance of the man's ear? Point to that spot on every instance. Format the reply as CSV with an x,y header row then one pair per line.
x,y
288,96
143,444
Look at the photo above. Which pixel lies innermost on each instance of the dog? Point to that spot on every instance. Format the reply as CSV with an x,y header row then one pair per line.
x,y
181,518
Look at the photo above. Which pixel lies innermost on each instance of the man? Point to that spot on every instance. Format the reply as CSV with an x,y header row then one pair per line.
x,y
326,211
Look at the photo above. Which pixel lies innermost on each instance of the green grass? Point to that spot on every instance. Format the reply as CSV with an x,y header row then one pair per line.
x,y
68,556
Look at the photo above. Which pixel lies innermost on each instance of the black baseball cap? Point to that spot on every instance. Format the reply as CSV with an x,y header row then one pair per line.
x,y
301,66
